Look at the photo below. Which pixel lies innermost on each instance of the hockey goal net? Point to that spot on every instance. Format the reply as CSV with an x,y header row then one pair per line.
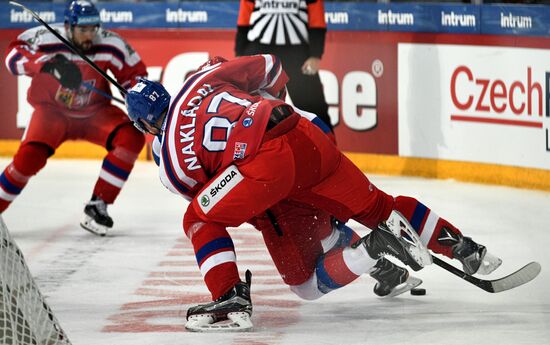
x,y
25,317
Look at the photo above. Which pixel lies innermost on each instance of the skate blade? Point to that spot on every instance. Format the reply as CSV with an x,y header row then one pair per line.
x,y
400,226
408,285
237,322
90,225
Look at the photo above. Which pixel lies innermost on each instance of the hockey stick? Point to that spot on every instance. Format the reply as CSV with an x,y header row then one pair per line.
x,y
102,93
513,280
72,48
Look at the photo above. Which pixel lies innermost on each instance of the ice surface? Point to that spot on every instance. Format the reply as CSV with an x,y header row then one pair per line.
x,y
134,286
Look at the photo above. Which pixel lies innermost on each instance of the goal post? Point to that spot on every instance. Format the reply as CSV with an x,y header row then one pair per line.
x,y
25,317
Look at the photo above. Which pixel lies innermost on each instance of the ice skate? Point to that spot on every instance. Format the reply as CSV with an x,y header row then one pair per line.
x,y
474,257
392,280
402,244
96,219
229,313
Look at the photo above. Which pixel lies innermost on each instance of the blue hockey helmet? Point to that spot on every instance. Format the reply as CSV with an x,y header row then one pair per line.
x,y
81,12
147,102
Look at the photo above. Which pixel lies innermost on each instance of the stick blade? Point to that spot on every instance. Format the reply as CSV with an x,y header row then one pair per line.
x,y
518,278
14,3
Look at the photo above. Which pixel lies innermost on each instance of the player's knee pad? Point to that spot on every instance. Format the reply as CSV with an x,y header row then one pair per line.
x,y
192,229
125,155
191,222
128,142
341,236
308,290
31,157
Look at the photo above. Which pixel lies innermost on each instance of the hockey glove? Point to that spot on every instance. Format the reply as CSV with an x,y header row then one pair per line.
x,y
65,71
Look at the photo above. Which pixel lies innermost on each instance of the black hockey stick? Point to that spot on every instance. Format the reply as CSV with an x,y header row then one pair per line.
x,y
513,280
72,48
102,93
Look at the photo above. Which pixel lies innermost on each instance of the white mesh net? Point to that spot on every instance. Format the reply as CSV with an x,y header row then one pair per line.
x,y
25,318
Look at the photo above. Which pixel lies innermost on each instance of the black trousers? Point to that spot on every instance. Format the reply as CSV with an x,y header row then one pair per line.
x,y
306,91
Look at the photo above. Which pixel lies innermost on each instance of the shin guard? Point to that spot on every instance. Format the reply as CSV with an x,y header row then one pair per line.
x,y
29,160
119,162
426,223
214,252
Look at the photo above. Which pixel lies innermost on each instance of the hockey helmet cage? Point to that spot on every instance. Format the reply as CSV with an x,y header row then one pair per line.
x,y
147,101
81,12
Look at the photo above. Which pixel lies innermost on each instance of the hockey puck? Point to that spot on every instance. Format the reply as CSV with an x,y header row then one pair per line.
x,y
418,292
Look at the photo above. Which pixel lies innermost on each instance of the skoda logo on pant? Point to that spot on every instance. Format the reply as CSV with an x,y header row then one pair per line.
x,y
219,187
226,179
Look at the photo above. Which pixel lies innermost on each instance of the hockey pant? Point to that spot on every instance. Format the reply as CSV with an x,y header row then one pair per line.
x,y
302,165
302,240
49,128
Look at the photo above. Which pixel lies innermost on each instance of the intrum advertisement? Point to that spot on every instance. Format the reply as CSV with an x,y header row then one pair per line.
x,y
443,17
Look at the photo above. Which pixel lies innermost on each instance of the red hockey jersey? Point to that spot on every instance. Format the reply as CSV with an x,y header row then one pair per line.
x,y
219,117
27,54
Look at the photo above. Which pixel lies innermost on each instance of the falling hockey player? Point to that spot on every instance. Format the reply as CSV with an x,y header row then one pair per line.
x,y
71,102
231,147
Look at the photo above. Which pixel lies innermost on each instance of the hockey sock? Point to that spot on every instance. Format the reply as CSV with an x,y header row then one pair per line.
x,y
28,160
426,223
117,165
342,265
215,255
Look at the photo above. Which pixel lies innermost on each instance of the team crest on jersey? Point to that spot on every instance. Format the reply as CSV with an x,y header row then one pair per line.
x,y
247,122
65,96
240,150
75,99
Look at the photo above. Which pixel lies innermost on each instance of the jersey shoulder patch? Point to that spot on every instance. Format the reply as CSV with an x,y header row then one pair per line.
x,y
39,35
110,38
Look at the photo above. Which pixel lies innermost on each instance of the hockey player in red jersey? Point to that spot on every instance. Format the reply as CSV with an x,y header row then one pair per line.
x,y
235,151
319,234
71,102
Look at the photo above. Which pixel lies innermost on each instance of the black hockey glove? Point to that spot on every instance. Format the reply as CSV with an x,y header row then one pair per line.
x,y
64,70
